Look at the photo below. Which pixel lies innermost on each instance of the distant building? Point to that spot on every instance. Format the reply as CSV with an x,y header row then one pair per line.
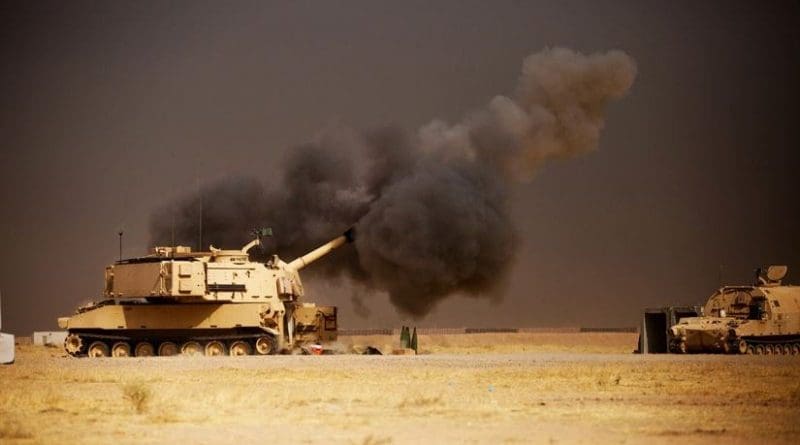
x,y
49,338
6,344
6,348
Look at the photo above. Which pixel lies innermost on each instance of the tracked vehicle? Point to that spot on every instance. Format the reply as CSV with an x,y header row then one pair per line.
x,y
763,318
176,301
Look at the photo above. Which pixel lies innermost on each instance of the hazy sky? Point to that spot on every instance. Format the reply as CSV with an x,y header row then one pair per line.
x,y
109,111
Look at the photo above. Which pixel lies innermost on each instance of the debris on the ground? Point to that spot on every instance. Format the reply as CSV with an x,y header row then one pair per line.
x,y
371,350
403,351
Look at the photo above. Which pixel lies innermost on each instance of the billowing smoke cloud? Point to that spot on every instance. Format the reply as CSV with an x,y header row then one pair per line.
x,y
430,208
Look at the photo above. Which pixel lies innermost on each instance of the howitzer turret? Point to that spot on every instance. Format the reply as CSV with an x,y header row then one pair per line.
x,y
216,302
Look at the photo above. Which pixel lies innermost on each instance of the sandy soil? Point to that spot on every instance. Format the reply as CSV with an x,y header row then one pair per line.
x,y
488,388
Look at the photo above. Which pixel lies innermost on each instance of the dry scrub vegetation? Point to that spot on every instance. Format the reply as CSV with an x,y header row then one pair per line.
x,y
465,388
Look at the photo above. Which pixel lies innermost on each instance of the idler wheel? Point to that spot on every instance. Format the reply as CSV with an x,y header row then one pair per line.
x,y
742,347
239,348
215,348
73,344
168,349
121,349
144,349
97,349
192,348
265,345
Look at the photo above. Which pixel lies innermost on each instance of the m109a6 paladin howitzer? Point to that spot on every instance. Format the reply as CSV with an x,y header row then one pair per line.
x,y
176,301
763,318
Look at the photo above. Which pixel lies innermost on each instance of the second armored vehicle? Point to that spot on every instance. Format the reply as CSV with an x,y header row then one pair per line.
x,y
212,303
763,318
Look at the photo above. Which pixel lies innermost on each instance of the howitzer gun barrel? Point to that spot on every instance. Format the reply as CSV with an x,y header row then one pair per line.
x,y
321,251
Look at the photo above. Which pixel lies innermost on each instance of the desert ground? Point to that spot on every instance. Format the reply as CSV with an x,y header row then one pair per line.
x,y
469,388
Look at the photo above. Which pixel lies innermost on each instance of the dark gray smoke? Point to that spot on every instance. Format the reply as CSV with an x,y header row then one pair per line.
x,y
431,208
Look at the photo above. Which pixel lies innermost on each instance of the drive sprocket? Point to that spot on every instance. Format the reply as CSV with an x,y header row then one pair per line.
x,y
73,345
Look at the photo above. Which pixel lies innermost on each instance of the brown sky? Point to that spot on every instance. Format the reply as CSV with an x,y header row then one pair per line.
x,y
109,110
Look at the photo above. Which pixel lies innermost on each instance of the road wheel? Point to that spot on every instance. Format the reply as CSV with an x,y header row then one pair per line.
x,y
97,349
239,348
121,349
759,349
682,347
265,345
214,348
167,349
192,348
778,350
769,349
73,344
742,347
751,349
795,348
144,349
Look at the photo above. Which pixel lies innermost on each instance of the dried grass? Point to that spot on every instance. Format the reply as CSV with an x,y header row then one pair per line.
x,y
372,440
138,395
367,399
13,429
420,402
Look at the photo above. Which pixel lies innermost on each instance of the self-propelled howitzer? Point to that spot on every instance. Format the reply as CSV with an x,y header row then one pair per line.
x,y
214,303
763,318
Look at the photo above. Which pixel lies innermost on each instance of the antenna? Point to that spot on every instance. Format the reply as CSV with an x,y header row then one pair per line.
x,y
200,210
200,223
120,245
172,234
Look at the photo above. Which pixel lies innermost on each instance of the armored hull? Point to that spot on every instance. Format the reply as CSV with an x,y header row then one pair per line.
x,y
202,303
128,329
